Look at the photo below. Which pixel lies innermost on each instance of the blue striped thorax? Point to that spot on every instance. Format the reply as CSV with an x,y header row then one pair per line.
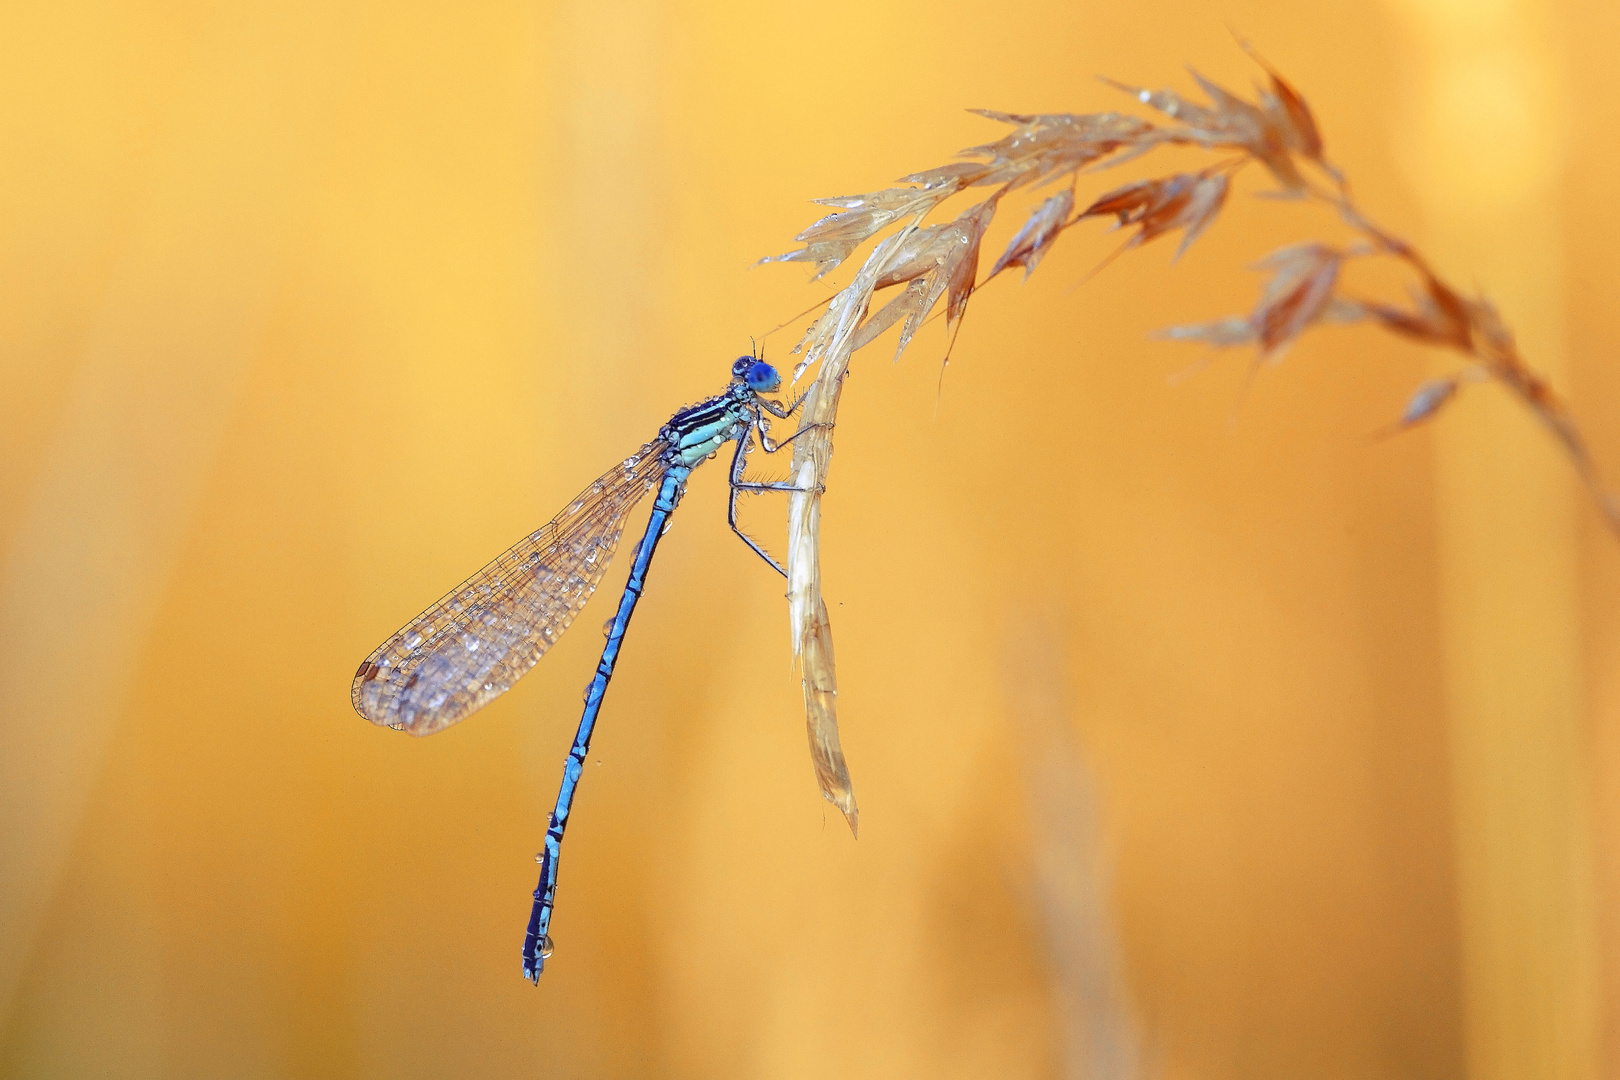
x,y
699,430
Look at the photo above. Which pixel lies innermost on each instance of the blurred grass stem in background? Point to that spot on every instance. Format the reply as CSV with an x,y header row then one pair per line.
x,y
1521,755
1073,883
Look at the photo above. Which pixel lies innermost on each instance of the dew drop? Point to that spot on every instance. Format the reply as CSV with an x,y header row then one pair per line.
x,y
607,628
546,947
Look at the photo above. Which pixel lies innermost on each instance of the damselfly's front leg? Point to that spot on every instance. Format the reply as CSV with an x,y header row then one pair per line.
x,y
783,411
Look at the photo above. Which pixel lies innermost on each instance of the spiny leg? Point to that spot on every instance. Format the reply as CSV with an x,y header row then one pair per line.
x,y
783,411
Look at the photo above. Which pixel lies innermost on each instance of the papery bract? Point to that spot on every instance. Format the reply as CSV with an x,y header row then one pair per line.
x,y
1301,286
1030,244
1187,201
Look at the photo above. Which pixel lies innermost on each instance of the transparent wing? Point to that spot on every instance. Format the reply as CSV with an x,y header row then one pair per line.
x,y
487,632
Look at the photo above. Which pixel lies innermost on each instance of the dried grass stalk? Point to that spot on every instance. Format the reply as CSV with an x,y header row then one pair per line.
x,y
830,340
939,262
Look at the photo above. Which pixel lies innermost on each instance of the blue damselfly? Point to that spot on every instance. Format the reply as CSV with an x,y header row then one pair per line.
x,y
484,635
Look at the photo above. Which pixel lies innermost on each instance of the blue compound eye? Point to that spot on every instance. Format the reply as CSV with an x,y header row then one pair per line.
x,y
762,378
739,370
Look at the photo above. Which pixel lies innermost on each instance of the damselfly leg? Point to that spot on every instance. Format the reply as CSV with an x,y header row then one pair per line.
x,y
739,485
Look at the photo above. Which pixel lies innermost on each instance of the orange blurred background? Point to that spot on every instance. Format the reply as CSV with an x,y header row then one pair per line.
x,y
1218,735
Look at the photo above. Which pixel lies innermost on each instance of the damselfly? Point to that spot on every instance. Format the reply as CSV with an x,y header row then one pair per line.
x,y
478,640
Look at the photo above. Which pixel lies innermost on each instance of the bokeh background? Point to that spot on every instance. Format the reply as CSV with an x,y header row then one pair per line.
x,y
1191,739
